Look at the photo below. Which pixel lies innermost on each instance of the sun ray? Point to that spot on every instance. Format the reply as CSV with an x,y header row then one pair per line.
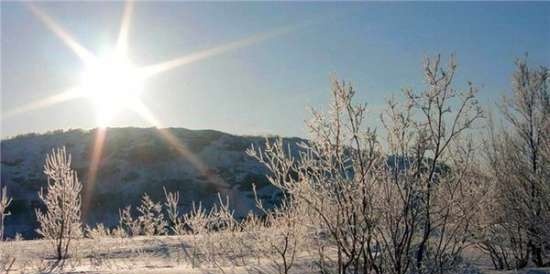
x,y
92,169
51,24
69,94
152,70
173,141
122,42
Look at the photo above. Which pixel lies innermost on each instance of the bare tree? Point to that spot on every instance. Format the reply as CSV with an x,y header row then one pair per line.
x,y
60,223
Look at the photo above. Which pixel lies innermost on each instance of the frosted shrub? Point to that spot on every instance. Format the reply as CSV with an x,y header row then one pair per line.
x,y
98,232
60,223
223,230
118,232
127,223
197,219
284,234
250,242
176,222
151,218
149,222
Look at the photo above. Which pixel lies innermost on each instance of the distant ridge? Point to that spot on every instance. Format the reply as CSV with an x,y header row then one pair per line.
x,y
135,161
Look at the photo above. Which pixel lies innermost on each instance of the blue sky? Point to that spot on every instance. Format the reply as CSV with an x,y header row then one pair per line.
x,y
263,88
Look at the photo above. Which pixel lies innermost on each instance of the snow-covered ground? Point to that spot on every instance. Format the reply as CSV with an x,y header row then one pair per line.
x,y
158,254
165,254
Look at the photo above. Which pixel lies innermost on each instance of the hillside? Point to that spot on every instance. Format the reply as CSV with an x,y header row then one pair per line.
x,y
135,161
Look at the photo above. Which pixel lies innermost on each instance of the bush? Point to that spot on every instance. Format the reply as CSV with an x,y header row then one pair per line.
x,y
60,223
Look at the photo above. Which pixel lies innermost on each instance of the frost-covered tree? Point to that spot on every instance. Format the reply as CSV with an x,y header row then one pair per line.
x,y
5,202
431,173
519,217
60,222
332,177
387,208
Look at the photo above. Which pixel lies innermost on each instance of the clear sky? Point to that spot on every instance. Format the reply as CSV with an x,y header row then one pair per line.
x,y
264,87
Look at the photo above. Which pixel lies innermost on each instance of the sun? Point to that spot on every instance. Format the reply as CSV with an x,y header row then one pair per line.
x,y
113,84
111,81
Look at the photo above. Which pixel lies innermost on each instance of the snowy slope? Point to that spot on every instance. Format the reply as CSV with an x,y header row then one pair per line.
x,y
135,161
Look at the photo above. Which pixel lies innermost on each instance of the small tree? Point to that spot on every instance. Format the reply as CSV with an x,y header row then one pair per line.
x,y
61,221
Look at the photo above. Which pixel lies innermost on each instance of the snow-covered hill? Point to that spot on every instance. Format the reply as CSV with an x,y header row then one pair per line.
x,y
135,161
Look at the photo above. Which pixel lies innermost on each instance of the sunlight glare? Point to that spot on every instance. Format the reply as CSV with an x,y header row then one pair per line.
x,y
113,84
